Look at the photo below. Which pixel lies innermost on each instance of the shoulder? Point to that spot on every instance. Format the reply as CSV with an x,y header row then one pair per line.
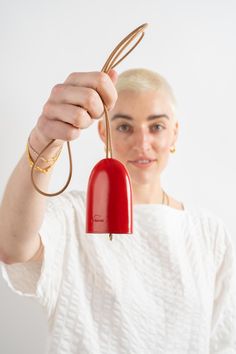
x,y
65,207
213,229
204,216
70,199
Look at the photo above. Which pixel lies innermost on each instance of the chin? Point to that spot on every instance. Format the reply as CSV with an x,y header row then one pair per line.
x,y
141,179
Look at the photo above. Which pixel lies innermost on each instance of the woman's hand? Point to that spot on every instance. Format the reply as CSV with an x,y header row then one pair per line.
x,y
72,106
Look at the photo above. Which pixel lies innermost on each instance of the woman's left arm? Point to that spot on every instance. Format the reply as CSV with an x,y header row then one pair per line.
x,y
223,328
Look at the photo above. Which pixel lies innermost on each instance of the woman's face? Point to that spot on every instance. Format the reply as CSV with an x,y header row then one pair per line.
x,y
143,130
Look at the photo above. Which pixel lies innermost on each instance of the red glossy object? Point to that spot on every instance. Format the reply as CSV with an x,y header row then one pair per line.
x,y
109,199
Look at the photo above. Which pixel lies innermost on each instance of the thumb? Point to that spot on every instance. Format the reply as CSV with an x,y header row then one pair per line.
x,y
113,75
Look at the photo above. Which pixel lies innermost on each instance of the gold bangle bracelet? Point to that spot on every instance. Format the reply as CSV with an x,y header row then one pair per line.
x,y
39,169
51,159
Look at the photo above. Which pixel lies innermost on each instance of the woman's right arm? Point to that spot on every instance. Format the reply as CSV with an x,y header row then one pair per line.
x,y
71,106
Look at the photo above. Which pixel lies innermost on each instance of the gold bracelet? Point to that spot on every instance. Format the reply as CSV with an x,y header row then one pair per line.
x,y
52,159
31,162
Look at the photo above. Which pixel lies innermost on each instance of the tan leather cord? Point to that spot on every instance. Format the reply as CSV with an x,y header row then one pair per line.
x,y
112,61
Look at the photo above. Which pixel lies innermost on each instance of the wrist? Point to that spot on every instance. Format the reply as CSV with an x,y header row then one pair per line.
x,y
37,142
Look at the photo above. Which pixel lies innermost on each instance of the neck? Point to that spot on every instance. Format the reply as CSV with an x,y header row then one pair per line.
x,y
147,194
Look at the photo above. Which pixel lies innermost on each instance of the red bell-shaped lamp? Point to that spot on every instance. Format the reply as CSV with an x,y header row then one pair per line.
x,y
109,199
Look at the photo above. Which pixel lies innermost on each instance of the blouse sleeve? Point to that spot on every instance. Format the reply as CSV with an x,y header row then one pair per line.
x,y
223,327
41,280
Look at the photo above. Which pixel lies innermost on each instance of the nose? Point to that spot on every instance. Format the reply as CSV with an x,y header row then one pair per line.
x,y
142,140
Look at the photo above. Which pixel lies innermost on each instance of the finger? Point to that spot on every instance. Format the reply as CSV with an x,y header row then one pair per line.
x,y
84,97
74,115
99,81
55,129
113,75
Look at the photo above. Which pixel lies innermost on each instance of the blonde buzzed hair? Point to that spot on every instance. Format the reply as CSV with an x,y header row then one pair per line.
x,y
144,79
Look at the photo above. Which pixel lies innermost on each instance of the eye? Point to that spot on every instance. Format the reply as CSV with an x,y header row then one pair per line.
x,y
157,127
124,128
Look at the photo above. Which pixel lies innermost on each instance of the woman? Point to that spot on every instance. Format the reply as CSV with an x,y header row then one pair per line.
x,y
169,287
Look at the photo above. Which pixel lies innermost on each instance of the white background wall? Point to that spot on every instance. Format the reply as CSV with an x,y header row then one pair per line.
x,y
192,43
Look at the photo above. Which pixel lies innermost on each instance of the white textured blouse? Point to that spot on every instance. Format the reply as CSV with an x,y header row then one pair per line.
x,y
170,287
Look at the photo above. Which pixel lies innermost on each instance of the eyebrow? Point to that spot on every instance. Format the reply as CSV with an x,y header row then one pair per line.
x,y
151,117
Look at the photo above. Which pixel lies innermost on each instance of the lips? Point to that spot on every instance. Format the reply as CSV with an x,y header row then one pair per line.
x,y
142,162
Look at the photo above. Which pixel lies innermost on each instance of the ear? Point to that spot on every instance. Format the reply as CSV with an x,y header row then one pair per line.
x,y
102,130
176,132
